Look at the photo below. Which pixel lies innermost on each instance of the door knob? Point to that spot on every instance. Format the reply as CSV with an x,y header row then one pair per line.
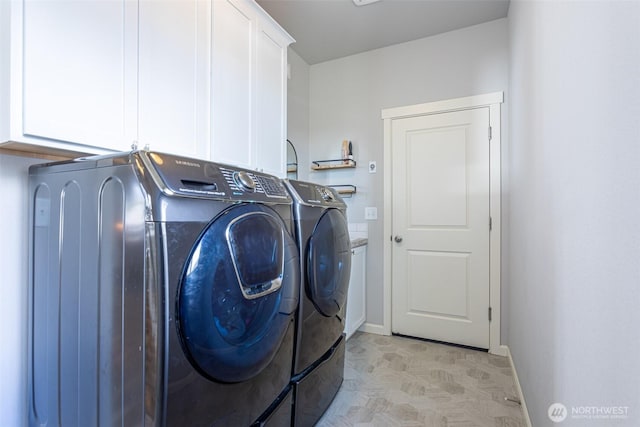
x,y
398,239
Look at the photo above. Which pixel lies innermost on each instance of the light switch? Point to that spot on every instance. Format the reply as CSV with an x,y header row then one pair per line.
x,y
370,213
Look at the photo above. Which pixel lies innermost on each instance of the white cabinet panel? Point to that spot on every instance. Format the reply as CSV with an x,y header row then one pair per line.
x,y
356,297
174,69
232,84
5,56
79,72
249,87
271,83
202,78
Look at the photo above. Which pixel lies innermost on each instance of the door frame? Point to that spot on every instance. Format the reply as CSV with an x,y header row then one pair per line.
x,y
492,101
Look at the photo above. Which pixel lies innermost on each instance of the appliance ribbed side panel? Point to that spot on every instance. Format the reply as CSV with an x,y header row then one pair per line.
x,y
42,307
87,299
71,229
121,305
111,288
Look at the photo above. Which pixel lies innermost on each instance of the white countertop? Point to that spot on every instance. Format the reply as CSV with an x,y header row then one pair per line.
x,y
361,241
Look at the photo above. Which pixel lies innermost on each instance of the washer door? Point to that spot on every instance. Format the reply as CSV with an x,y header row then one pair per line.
x,y
329,263
237,293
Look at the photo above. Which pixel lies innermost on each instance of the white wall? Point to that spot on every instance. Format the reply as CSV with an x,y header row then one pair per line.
x,y
298,110
13,304
348,94
13,256
574,206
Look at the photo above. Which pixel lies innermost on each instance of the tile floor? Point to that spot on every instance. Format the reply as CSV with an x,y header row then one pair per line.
x,y
397,381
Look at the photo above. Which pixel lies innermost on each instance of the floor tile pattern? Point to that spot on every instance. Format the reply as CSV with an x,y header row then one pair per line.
x,y
397,381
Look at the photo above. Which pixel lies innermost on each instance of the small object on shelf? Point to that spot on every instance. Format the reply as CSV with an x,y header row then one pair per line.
x,y
350,156
345,151
332,164
344,189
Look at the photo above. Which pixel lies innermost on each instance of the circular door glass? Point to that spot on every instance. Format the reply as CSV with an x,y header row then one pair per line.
x,y
234,300
329,263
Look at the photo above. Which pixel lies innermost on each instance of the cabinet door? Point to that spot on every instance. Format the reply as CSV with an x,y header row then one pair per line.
x,y
174,67
79,72
271,90
356,300
232,80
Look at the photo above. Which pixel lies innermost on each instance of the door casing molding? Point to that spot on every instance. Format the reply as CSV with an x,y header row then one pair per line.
x,y
492,101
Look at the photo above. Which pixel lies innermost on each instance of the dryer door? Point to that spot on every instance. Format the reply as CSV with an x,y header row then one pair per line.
x,y
329,263
237,293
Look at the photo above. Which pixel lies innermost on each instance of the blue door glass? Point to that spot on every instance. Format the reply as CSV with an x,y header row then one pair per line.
x,y
257,275
329,263
237,293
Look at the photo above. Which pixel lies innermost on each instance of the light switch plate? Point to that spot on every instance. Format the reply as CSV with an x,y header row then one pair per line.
x,y
370,213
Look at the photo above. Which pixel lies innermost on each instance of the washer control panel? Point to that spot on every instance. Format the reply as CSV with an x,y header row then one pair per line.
x,y
245,182
199,178
325,193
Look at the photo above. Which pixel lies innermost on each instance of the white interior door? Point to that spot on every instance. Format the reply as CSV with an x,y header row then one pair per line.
x,y
440,256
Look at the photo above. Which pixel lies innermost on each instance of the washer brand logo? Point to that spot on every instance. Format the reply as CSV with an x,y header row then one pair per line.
x,y
557,412
185,163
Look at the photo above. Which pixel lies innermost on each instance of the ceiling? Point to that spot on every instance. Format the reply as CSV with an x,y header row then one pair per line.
x,y
330,29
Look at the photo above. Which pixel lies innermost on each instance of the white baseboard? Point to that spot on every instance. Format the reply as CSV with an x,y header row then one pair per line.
x,y
372,328
523,405
500,350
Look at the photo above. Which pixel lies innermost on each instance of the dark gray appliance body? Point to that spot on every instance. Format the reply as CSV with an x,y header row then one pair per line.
x,y
151,302
325,256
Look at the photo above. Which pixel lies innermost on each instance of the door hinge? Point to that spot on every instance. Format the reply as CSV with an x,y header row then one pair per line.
x,y
489,133
490,224
489,314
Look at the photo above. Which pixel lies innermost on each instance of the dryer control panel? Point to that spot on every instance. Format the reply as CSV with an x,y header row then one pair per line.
x,y
311,194
199,178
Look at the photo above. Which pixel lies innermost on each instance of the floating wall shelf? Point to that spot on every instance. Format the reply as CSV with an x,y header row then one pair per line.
x,y
319,165
345,190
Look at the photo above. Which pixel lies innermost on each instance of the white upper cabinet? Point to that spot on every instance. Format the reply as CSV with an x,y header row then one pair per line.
x,y
76,64
174,92
271,100
249,87
233,87
201,78
5,54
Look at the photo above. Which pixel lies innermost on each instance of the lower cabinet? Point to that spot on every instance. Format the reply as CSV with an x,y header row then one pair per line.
x,y
356,299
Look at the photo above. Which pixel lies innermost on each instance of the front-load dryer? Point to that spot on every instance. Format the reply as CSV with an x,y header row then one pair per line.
x,y
325,255
162,292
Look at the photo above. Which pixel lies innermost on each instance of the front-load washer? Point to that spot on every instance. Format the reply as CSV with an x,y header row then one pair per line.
x,y
162,292
325,256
